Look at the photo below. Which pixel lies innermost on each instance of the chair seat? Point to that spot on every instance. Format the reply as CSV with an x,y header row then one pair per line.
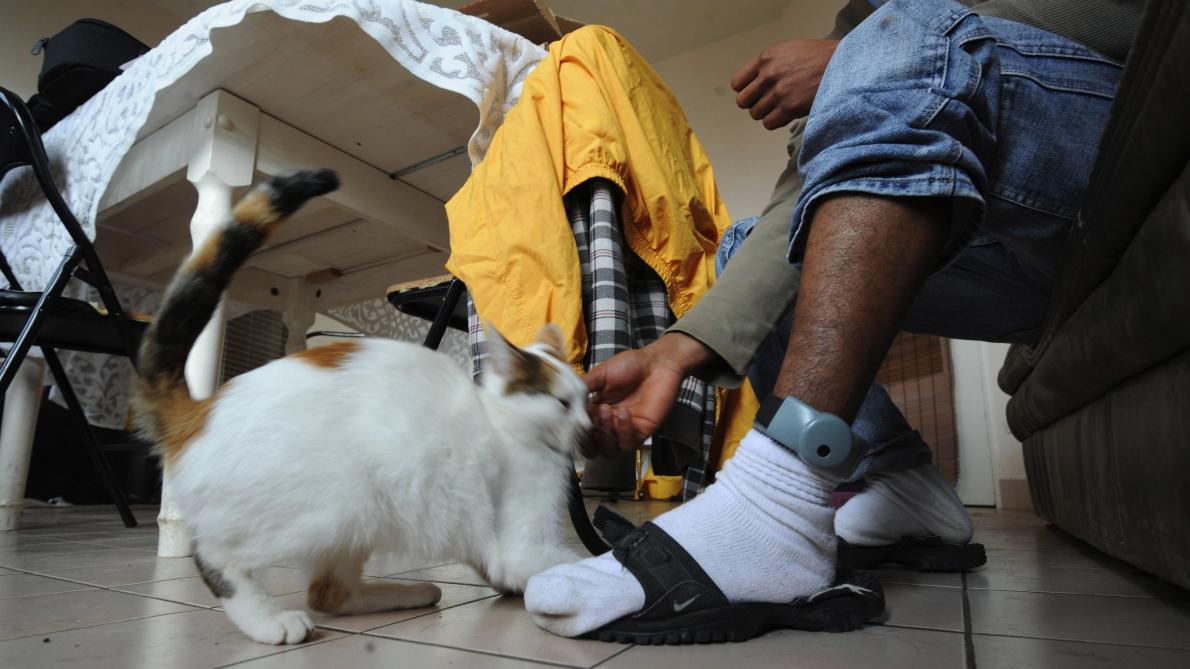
x,y
71,324
424,301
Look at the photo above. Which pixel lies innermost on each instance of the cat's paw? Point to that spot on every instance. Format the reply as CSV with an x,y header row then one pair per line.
x,y
282,627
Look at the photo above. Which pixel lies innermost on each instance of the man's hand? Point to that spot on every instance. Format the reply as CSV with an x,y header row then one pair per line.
x,y
632,393
779,85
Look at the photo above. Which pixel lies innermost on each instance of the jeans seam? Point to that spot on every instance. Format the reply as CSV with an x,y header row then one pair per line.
x,y
1069,87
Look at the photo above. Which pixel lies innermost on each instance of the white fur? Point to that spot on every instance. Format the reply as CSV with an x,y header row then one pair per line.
x,y
395,450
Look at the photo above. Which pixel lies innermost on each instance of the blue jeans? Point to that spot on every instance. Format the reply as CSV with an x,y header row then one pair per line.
x,y
927,99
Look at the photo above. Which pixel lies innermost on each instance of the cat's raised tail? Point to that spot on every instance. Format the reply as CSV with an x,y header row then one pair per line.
x,y
166,412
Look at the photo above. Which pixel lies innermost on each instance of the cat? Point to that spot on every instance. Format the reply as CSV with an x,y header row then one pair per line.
x,y
327,456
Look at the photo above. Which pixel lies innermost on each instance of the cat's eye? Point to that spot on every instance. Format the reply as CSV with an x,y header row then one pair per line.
x,y
564,402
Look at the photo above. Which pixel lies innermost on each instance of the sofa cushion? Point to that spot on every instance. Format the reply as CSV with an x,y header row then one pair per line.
x,y
1145,148
1138,317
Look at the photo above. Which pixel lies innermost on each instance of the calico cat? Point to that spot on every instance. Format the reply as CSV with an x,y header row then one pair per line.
x,y
324,457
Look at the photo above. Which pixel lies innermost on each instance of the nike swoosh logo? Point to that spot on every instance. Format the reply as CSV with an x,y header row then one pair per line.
x,y
678,607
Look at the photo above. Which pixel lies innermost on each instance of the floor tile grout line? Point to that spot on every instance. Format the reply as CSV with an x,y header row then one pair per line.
x,y
106,622
101,587
282,651
917,627
420,615
968,640
627,647
469,650
1120,644
421,580
1073,594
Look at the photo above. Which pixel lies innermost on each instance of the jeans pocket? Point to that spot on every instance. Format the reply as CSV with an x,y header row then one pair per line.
x,y
1053,106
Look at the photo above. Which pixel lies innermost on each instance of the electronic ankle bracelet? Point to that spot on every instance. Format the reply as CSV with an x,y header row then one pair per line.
x,y
819,439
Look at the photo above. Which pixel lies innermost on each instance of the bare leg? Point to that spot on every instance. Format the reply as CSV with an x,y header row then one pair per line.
x,y
866,258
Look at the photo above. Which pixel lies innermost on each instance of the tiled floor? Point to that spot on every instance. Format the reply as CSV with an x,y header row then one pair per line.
x,y
78,590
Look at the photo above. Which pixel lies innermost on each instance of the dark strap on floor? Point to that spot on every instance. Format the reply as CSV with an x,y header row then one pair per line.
x,y
673,582
582,524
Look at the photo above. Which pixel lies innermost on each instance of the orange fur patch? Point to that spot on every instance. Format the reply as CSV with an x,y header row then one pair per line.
x,y
181,419
329,356
204,256
326,594
256,209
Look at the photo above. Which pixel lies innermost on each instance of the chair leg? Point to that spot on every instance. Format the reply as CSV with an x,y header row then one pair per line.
x,y
90,445
438,328
24,341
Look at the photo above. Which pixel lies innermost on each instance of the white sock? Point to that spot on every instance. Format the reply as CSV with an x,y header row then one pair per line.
x,y
914,502
764,532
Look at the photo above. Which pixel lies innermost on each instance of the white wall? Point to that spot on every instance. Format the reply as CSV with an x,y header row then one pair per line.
x,y
324,323
991,461
746,158
22,22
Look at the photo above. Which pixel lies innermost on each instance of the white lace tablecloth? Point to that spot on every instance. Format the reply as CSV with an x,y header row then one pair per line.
x,y
452,51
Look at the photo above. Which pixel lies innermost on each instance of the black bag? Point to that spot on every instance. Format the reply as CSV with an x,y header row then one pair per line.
x,y
79,62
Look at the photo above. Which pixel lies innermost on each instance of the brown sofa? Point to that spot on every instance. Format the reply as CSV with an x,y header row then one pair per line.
x,y
1102,402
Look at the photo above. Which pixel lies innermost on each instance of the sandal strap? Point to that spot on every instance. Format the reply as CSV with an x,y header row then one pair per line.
x,y
611,525
673,581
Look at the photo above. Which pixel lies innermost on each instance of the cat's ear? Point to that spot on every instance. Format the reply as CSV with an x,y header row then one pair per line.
x,y
550,336
503,357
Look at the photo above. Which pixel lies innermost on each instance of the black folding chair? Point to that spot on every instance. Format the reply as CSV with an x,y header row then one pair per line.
x,y
442,304
47,319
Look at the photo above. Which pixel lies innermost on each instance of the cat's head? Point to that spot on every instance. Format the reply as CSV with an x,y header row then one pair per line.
x,y
545,393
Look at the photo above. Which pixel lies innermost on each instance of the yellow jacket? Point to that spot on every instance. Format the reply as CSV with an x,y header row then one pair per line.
x,y
592,108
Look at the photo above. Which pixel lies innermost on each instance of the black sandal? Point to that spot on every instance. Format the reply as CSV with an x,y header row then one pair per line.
x,y
917,553
683,605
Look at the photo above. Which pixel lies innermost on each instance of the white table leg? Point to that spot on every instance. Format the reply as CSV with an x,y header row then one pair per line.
x,y
299,313
224,157
16,438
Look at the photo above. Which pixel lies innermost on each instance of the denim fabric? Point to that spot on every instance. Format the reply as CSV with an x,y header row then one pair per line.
x,y
927,99
733,237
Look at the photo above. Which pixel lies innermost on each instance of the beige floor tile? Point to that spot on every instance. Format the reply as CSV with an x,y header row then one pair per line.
x,y
502,627
388,564
142,540
363,652
28,585
69,610
16,540
884,647
1001,652
1035,578
10,554
197,639
1035,538
452,595
192,590
139,570
1125,620
74,556
1010,558
910,577
451,573
924,606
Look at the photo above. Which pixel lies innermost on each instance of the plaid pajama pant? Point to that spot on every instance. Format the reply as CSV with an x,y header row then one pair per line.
x,y
625,305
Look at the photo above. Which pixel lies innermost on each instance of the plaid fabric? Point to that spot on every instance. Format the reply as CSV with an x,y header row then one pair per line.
x,y
626,306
